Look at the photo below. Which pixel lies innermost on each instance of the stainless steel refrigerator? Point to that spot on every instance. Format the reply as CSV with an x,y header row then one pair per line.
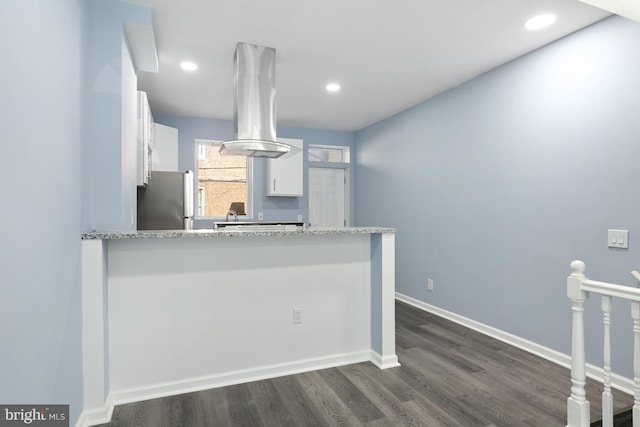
x,y
166,202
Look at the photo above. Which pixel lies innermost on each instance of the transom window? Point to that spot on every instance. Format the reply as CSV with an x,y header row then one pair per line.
x,y
224,182
329,153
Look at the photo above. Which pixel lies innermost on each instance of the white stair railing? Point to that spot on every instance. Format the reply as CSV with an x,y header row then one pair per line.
x,y
578,289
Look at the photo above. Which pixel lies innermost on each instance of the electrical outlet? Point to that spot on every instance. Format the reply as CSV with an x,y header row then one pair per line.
x,y
297,315
299,217
260,216
429,284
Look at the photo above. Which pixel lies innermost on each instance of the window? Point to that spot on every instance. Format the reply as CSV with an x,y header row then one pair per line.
x,y
328,153
224,182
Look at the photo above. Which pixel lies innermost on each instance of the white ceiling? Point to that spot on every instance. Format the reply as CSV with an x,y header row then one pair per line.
x,y
387,55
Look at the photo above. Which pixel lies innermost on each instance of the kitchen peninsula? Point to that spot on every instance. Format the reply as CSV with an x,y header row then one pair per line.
x,y
167,312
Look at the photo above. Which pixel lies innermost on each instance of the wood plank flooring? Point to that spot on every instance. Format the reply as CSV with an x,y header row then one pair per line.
x,y
450,376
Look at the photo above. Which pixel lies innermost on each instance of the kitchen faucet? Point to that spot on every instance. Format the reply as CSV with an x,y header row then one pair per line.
x,y
231,212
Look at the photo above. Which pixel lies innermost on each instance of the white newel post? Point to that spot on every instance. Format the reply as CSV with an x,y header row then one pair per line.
x,y
577,404
635,314
607,398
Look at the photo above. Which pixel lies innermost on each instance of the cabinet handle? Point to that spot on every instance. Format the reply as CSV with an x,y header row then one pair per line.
x,y
274,184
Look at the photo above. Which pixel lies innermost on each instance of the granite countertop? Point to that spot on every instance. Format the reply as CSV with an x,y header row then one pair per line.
x,y
208,233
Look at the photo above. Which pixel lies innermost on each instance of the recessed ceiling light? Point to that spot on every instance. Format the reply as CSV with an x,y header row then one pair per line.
x,y
333,87
188,66
539,22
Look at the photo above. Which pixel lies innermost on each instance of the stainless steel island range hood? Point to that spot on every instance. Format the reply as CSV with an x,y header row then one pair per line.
x,y
255,105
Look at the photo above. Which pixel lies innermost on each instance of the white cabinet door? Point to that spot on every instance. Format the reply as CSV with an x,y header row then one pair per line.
x,y
145,139
284,175
165,148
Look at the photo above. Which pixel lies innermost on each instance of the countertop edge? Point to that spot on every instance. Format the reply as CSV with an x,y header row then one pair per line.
x,y
199,234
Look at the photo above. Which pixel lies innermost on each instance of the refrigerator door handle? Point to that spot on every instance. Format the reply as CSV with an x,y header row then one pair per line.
x,y
188,194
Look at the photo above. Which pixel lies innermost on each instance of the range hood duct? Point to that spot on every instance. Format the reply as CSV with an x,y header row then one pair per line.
x,y
255,105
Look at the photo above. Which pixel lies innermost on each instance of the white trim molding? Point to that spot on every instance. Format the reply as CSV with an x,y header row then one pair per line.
x,y
98,415
617,381
384,362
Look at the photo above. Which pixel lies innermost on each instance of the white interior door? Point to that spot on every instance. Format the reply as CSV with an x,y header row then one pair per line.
x,y
326,197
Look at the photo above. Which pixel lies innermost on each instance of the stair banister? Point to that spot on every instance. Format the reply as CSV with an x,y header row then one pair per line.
x,y
607,397
635,314
578,289
577,404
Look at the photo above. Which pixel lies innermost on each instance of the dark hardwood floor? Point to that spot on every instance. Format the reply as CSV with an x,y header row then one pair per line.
x,y
450,376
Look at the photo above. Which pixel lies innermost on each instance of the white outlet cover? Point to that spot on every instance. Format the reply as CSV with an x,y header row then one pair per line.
x,y
297,315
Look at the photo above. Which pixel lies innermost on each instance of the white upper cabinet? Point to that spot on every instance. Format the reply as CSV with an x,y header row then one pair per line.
x,y
165,148
145,140
284,175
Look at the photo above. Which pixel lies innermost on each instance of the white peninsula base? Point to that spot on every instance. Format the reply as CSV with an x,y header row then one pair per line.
x,y
172,315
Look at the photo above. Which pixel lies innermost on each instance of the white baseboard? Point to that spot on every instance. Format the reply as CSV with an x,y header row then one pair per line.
x,y
384,362
94,416
617,381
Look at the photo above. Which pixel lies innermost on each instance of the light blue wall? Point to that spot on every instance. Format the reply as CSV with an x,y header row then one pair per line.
x,y
274,208
110,167
41,126
497,185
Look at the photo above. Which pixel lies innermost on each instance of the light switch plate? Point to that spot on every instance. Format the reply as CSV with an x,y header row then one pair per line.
x,y
618,238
